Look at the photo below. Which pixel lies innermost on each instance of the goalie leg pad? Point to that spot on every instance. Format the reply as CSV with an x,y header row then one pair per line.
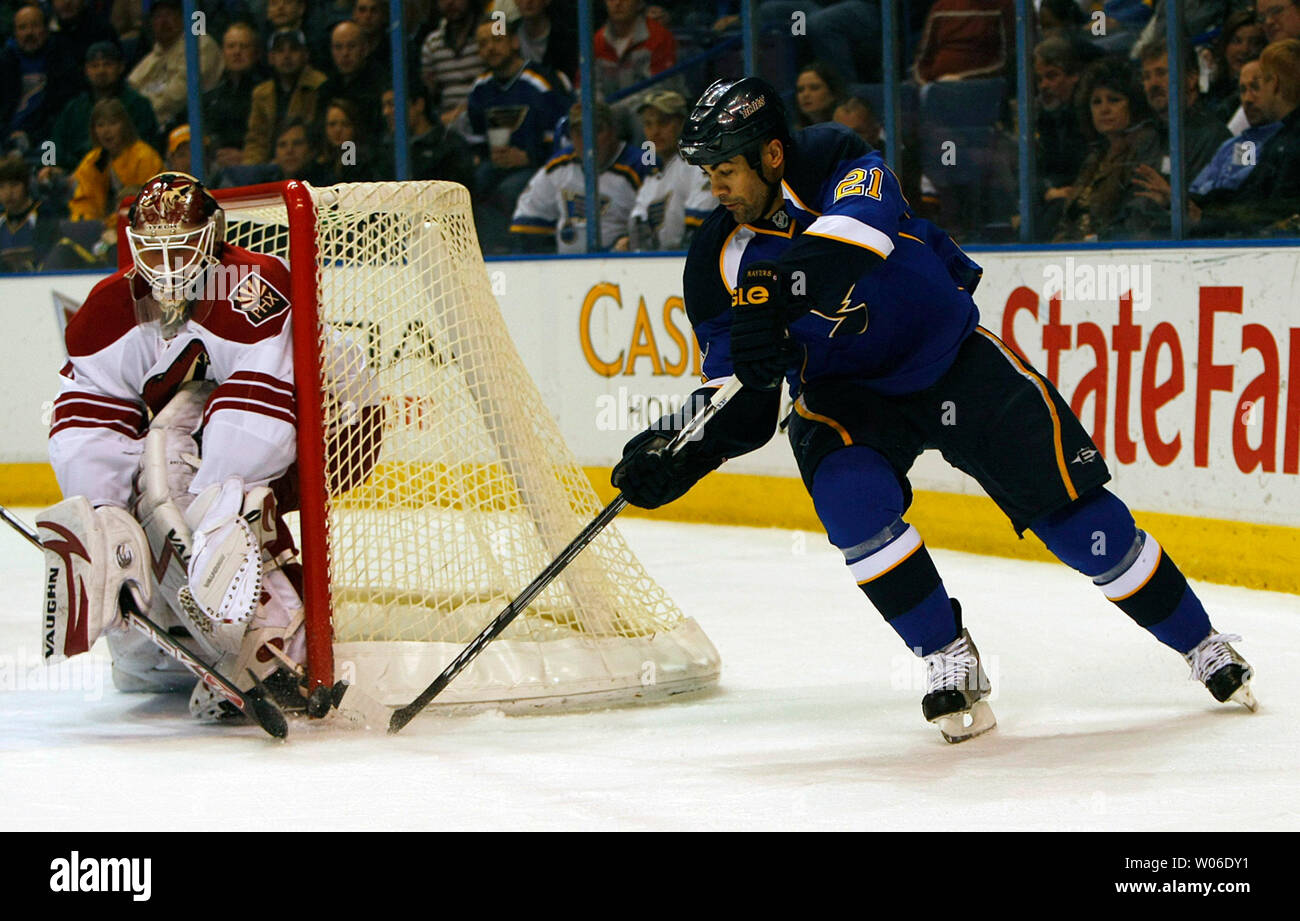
x,y
90,554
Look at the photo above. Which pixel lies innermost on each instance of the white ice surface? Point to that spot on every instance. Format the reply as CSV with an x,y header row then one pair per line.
x,y
816,724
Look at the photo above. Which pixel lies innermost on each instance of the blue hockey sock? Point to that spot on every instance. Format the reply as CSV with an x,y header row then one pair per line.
x,y
859,500
1096,535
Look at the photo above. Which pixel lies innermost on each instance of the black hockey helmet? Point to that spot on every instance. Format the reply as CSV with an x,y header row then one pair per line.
x,y
733,117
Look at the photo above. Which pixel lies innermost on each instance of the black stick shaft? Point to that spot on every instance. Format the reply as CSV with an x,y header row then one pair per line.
x,y
516,607
404,715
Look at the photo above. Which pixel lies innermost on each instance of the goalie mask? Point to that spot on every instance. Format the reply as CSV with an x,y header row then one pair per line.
x,y
176,231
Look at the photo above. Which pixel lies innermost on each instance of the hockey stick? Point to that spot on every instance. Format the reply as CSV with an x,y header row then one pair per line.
x,y
254,703
516,607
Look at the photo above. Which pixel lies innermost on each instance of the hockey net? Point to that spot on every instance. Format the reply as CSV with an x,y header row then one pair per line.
x,y
435,482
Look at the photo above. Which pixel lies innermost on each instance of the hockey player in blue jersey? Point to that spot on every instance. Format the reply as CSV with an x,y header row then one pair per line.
x,y
812,269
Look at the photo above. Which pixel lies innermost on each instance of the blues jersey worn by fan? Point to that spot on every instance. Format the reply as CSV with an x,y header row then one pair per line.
x,y
555,199
813,270
175,426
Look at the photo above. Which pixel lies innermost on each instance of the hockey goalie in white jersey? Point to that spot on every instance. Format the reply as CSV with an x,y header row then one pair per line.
x,y
176,418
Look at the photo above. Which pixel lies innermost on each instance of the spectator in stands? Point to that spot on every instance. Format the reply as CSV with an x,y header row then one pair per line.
x,y
116,167
449,61
371,17
856,114
344,153
27,230
1064,18
178,149
105,73
293,91
843,33
80,25
226,106
293,153
160,76
435,151
513,110
547,39
552,211
1102,203
1061,145
356,76
1235,160
37,77
313,22
630,48
963,39
675,197
1203,131
819,89
1240,40
1281,18
1268,199
293,159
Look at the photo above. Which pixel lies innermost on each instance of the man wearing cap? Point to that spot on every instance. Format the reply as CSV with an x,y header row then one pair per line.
x,y
160,76
105,72
675,198
513,110
554,204
292,91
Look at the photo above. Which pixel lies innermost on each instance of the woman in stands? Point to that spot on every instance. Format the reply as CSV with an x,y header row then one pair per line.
x,y
1102,204
118,164
819,89
343,156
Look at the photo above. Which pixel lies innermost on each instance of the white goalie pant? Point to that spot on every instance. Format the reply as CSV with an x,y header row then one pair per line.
x,y
164,507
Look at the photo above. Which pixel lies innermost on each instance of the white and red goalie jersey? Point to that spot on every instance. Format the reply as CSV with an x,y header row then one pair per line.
x,y
120,372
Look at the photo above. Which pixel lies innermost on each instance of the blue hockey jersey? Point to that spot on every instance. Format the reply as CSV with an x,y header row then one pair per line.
x,y
890,294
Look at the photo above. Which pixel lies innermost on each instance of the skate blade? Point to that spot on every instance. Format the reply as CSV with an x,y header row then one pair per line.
x,y
958,727
1246,697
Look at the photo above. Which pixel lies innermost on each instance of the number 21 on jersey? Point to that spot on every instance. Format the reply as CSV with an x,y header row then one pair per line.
x,y
856,182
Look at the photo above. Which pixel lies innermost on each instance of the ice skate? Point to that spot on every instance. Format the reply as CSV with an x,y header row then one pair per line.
x,y
956,688
1222,669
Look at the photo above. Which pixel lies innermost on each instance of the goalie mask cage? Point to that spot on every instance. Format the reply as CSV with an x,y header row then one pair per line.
x,y
434,481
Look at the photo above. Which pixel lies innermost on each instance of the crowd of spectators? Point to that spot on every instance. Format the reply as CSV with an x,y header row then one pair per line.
x,y
93,99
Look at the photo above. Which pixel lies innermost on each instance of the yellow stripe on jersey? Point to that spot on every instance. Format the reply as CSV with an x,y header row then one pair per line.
x,y
1051,408
802,409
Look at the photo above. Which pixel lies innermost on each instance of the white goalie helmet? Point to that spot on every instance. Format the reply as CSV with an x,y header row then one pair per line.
x,y
176,230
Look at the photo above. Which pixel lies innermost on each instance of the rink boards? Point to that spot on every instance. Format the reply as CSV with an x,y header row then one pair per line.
x,y
1183,363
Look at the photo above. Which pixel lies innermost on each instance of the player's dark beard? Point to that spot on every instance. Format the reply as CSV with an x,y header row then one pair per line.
x,y
747,215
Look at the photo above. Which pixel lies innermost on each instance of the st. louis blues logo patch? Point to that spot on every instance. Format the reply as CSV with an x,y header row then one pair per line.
x,y
258,299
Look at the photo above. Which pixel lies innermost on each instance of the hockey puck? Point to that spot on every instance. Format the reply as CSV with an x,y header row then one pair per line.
x,y
319,702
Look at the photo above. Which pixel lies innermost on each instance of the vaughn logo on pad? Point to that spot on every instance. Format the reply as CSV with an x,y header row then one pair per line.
x,y
103,874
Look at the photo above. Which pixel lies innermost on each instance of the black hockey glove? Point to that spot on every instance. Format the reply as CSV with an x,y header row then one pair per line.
x,y
649,476
761,350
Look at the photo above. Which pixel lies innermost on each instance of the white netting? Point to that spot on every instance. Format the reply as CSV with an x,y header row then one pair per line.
x,y
452,485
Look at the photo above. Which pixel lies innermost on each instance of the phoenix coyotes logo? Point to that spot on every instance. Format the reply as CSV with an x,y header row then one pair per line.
x,y
258,299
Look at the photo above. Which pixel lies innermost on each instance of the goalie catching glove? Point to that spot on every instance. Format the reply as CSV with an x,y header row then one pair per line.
x,y
761,349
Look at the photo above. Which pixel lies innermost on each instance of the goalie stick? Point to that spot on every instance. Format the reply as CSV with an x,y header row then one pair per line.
x,y
253,703
516,607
